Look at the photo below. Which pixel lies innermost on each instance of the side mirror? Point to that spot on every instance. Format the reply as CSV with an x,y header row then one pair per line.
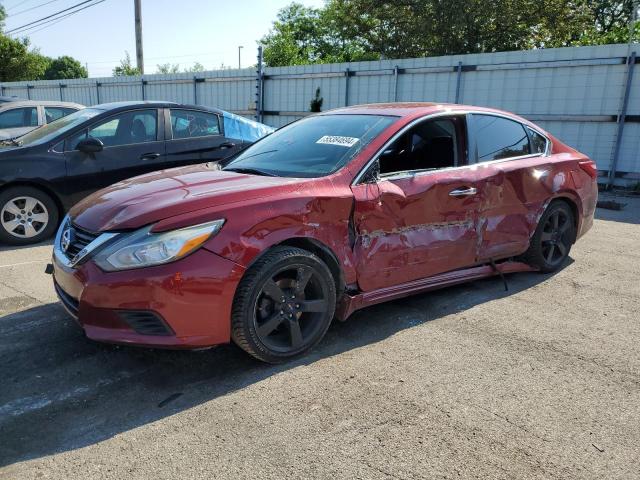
x,y
90,145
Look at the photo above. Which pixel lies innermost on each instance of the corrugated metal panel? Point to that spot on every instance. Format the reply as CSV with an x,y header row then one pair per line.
x,y
572,83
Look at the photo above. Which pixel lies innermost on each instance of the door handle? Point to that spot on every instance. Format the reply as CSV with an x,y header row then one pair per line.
x,y
463,192
227,145
149,156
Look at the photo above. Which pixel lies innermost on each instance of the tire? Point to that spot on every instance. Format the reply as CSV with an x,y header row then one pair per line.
x,y
553,238
19,209
284,305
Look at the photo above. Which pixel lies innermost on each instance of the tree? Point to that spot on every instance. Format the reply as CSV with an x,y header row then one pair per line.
x,y
3,15
168,68
18,63
196,67
350,30
126,68
65,67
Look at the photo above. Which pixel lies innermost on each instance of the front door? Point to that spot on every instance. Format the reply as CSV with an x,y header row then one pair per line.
x,y
132,146
419,217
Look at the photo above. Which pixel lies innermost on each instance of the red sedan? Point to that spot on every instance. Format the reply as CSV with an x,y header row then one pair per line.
x,y
330,214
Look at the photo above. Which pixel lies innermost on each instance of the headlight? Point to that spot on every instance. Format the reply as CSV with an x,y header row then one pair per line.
x,y
144,249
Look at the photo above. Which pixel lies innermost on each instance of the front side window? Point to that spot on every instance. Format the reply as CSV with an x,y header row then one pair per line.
x,y
54,113
192,124
127,128
19,117
313,147
430,145
498,138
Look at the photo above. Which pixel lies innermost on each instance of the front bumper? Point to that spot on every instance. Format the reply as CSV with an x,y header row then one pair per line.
x,y
191,298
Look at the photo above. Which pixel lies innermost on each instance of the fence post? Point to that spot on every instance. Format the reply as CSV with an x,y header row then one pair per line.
x,y
195,90
97,93
28,92
259,87
60,86
142,84
631,62
347,74
396,71
458,82
1,90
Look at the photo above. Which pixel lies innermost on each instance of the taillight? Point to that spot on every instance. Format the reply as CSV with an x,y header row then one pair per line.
x,y
589,166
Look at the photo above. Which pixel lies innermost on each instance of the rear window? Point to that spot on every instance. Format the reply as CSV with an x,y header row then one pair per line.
x,y
313,147
499,138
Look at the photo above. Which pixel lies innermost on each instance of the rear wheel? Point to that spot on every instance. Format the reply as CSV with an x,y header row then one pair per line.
x,y
284,305
27,215
554,236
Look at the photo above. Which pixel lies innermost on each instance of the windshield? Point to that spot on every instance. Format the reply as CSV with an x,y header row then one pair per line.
x,y
313,147
48,132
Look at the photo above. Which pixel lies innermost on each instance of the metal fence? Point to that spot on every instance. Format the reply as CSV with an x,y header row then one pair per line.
x,y
586,96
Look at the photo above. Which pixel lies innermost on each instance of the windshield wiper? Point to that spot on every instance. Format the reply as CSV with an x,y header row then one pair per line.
x,y
250,171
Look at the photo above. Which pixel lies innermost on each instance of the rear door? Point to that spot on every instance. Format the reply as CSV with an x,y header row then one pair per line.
x,y
196,136
419,217
133,145
515,158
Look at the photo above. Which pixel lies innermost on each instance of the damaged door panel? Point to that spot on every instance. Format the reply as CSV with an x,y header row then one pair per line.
x,y
412,227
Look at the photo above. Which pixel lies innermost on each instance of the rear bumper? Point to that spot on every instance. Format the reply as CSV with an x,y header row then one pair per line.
x,y
185,304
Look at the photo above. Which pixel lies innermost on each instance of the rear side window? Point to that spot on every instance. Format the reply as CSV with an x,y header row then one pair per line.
x,y
538,142
54,113
192,123
498,138
19,117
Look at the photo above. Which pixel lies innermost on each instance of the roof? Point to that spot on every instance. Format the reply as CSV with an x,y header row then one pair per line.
x,y
32,103
417,109
150,103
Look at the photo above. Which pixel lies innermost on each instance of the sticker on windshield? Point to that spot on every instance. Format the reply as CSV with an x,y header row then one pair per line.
x,y
340,141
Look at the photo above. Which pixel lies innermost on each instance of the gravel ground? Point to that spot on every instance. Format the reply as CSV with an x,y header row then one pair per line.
x,y
542,381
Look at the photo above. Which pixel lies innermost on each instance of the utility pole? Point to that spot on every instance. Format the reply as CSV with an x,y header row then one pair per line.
x,y
138,16
240,47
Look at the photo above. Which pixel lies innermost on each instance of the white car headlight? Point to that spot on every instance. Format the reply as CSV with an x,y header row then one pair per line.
x,y
143,248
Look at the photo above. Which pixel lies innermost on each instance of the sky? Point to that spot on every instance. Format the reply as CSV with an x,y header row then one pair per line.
x,y
174,31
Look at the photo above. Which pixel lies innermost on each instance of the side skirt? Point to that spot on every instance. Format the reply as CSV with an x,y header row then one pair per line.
x,y
351,303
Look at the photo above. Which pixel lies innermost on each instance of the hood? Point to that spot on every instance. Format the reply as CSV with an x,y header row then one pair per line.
x,y
157,196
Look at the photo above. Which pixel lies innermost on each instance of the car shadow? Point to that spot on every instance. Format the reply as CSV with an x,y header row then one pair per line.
x,y
5,247
62,392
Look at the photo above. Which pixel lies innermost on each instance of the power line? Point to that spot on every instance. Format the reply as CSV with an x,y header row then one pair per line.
x,y
47,17
32,8
53,21
17,4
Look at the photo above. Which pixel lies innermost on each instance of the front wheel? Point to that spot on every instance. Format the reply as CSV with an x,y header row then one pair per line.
x,y
27,215
284,305
552,240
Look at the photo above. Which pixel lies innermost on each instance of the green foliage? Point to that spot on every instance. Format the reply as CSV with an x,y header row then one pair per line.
x,y
168,68
126,68
3,15
65,67
196,67
18,63
352,30
316,102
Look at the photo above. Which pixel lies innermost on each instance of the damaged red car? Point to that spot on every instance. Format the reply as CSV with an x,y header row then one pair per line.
x,y
330,214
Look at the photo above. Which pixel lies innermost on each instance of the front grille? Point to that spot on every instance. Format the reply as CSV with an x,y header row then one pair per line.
x,y
145,322
67,300
79,239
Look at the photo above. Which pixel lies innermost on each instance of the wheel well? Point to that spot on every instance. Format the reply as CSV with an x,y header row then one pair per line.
x,y
324,253
572,205
40,187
